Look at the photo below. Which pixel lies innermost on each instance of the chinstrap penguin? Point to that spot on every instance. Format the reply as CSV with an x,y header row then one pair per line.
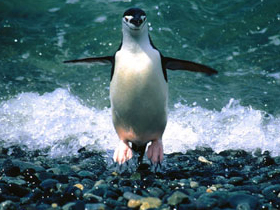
x,y
139,89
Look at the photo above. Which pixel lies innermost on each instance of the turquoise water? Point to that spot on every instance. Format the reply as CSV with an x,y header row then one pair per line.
x,y
45,104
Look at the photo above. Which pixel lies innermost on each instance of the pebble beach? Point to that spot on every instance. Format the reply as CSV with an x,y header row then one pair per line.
x,y
197,180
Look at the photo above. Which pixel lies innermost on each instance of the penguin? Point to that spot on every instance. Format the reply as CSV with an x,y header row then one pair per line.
x,y
139,89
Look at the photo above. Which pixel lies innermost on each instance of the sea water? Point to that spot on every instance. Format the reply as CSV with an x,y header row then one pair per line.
x,y
57,108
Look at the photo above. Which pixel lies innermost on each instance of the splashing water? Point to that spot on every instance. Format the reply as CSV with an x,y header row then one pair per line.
x,y
59,123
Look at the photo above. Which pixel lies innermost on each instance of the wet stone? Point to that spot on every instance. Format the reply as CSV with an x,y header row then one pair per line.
x,y
177,197
277,160
265,161
113,203
111,194
99,183
92,198
271,192
72,193
274,174
45,175
62,169
14,180
18,190
49,184
134,203
205,202
144,203
12,171
156,192
8,205
135,176
4,188
62,178
233,181
86,174
239,199
257,179
30,177
27,165
236,180
98,191
97,206
150,202
68,206
243,206
79,205
129,196
194,184
190,206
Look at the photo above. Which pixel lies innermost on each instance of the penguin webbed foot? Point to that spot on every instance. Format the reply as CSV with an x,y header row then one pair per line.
x,y
131,158
127,166
122,153
156,167
155,151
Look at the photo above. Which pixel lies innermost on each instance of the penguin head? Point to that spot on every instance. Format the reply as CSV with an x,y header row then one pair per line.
x,y
134,19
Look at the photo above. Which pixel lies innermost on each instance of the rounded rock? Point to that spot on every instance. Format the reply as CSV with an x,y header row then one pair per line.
x,y
243,206
96,206
92,198
156,192
206,202
177,197
18,190
49,184
271,192
150,202
134,203
129,195
8,205
236,180
79,186
237,199
194,184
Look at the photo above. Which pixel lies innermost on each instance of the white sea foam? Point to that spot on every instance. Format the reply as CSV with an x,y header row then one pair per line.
x,y
72,1
56,121
60,123
234,127
274,40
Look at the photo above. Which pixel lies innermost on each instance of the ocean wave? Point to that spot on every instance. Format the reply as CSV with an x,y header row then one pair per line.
x,y
59,123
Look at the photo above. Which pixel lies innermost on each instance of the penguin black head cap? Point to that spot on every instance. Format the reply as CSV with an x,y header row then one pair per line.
x,y
134,16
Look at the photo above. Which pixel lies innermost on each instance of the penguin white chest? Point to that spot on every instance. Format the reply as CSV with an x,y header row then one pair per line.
x,y
139,93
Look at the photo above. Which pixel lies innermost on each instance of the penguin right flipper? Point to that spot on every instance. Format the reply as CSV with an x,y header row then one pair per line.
x,y
177,64
103,60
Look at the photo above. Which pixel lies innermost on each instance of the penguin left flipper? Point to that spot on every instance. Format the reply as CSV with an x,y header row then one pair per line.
x,y
177,64
103,60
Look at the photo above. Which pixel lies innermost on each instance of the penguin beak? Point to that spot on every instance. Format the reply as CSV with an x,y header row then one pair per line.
x,y
136,21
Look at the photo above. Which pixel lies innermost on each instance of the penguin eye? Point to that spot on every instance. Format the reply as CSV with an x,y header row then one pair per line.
x,y
143,18
127,18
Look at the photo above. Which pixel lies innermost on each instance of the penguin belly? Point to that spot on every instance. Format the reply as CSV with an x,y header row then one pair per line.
x,y
138,94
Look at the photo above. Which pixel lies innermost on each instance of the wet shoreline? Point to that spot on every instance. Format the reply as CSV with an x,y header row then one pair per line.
x,y
198,179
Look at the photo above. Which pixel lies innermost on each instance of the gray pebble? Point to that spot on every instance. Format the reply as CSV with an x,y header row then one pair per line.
x,y
272,191
177,197
97,206
8,205
129,196
236,199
